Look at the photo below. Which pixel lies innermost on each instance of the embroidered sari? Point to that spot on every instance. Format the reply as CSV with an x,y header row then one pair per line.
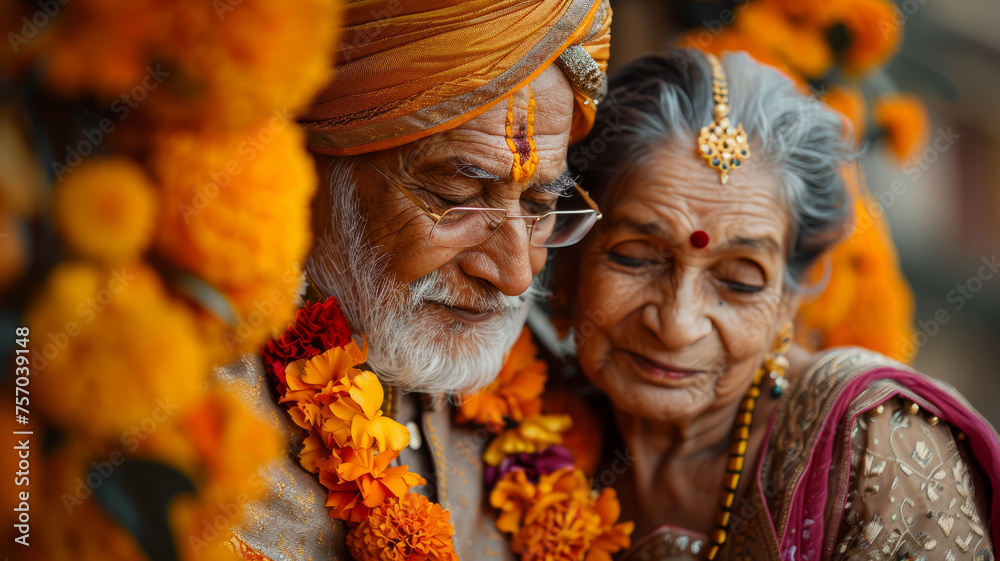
x,y
864,459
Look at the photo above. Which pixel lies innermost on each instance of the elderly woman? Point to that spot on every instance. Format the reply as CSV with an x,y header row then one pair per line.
x,y
721,185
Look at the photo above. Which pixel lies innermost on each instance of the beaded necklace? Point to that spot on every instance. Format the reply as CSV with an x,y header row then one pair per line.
x,y
775,363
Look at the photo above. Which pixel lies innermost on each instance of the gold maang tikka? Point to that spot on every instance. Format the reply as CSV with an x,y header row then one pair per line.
x,y
724,148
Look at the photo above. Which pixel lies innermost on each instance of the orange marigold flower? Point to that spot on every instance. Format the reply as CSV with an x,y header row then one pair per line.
x,y
360,480
867,301
876,31
99,46
904,118
613,537
106,209
512,495
122,348
325,377
560,518
814,14
804,50
340,402
515,391
362,414
228,62
850,103
235,212
408,527
584,437
214,61
535,434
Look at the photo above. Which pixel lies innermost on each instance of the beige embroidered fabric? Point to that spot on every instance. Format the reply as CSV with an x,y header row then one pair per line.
x,y
912,492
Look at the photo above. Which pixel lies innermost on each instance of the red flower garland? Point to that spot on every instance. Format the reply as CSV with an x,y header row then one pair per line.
x,y
317,327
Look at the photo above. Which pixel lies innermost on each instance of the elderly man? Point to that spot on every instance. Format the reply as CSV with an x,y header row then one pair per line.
x,y
442,139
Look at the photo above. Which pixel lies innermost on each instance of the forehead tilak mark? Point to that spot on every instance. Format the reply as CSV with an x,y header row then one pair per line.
x,y
522,142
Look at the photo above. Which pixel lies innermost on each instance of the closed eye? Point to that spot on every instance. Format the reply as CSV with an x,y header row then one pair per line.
x,y
538,207
443,203
628,261
744,288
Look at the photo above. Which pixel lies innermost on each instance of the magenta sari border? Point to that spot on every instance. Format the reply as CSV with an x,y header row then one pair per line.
x,y
810,495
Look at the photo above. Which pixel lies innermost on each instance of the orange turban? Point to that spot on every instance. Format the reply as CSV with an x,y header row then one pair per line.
x,y
406,69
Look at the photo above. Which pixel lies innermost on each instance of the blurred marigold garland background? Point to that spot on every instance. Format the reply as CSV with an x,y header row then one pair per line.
x,y
152,169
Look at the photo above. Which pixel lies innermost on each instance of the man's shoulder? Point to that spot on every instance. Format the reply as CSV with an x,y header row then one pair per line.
x,y
290,520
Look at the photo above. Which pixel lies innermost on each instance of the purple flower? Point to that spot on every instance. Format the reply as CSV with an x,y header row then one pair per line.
x,y
534,465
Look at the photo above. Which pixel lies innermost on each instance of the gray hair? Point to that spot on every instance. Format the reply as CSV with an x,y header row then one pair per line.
x,y
663,99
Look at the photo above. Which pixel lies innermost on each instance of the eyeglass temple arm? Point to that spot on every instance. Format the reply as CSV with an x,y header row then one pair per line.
x,y
413,198
590,202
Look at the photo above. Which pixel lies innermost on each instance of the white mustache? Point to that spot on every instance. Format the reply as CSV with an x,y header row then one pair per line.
x,y
433,288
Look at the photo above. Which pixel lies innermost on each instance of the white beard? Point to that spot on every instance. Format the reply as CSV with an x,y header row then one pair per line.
x,y
409,346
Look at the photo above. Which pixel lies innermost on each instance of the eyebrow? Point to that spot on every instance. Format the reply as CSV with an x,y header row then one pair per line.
x,y
562,185
655,229
470,170
753,243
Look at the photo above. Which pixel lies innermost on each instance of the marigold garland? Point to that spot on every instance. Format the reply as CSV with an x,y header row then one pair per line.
x,y
106,209
217,184
514,394
138,110
235,213
904,119
547,506
350,444
224,62
407,527
123,347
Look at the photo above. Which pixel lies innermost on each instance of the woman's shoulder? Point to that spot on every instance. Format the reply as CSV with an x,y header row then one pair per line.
x,y
851,380
830,385
859,379
839,385
913,486
839,366
871,439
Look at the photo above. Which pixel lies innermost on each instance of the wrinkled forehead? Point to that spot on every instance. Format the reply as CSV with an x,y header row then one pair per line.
x,y
534,121
675,183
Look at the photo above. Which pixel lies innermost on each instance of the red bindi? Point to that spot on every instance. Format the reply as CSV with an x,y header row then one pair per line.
x,y
699,239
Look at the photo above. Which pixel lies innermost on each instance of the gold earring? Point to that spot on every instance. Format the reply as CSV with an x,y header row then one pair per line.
x,y
775,362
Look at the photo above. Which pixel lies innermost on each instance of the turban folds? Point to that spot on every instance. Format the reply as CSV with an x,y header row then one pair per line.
x,y
407,69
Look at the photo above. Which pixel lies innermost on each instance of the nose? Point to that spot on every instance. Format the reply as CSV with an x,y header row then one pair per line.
x,y
678,317
506,259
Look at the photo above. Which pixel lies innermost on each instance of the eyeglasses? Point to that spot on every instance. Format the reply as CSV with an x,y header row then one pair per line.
x,y
466,226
